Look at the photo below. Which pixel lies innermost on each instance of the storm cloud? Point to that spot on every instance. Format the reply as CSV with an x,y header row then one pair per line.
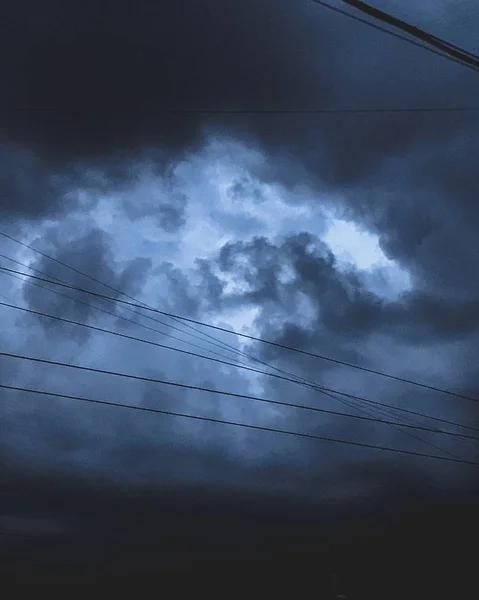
x,y
233,219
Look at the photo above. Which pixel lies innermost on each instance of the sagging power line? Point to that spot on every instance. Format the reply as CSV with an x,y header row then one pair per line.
x,y
296,379
248,397
242,425
432,110
250,337
165,382
378,407
442,45
394,34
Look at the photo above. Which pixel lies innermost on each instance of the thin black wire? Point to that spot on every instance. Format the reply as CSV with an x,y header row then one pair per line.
x,y
220,345
254,338
271,111
219,392
392,424
236,424
400,427
214,342
108,312
392,33
143,341
442,45
293,378
296,379
187,320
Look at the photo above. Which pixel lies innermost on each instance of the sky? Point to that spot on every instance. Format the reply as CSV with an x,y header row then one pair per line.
x,y
347,235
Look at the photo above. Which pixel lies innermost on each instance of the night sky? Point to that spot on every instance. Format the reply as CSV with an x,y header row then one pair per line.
x,y
349,235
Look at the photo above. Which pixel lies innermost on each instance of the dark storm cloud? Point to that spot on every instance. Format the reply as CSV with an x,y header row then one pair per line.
x,y
93,250
343,319
106,69
91,82
27,186
170,217
341,301
98,72
190,292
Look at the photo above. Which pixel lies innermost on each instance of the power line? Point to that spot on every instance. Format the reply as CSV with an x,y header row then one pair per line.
x,y
299,380
254,338
392,33
296,379
272,111
143,341
117,291
105,311
214,342
221,345
186,320
443,45
293,379
243,425
220,392
400,427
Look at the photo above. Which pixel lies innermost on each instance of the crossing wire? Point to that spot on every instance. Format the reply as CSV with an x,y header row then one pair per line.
x,y
238,424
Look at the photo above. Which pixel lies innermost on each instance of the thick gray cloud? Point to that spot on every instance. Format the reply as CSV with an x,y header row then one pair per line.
x,y
324,310
94,251
341,302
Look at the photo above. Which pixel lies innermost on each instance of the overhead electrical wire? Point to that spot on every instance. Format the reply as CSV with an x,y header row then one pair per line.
x,y
103,310
204,334
442,45
142,340
277,111
401,428
238,424
296,379
217,392
292,379
228,347
393,33
204,337
183,319
253,338
208,337
186,320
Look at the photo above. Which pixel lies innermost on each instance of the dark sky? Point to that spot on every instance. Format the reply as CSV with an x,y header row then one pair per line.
x,y
349,235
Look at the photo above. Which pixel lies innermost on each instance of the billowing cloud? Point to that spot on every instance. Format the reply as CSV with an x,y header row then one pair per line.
x,y
347,235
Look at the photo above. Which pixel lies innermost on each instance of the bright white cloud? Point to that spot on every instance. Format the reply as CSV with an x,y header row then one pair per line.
x,y
354,247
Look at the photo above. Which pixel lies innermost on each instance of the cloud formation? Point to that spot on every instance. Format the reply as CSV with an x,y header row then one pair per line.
x,y
225,218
